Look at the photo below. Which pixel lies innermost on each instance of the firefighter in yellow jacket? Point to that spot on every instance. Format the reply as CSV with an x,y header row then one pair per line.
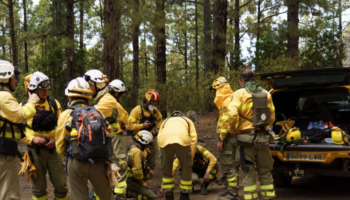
x,y
227,143
147,117
138,171
79,172
177,136
204,165
107,102
40,138
12,115
241,121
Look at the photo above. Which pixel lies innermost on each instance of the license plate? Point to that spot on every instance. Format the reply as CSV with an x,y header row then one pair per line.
x,y
305,156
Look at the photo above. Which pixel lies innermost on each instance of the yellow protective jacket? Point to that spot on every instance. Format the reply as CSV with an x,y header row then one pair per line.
x,y
109,106
30,133
242,103
64,120
204,154
178,130
12,111
222,100
135,159
135,118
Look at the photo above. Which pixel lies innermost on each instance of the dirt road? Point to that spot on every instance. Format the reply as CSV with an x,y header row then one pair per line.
x,y
306,188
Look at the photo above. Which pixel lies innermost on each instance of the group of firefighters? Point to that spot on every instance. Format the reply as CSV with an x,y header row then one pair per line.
x,y
50,132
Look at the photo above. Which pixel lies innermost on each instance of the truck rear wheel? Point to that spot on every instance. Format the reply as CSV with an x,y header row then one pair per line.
x,y
280,180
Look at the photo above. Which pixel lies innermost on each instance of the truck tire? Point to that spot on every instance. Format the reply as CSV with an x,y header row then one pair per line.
x,y
280,180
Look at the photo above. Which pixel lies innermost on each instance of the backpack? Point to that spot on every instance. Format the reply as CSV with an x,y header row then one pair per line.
x,y
45,120
316,135
89,139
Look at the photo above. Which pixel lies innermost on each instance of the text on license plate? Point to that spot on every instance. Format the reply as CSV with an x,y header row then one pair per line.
x,y
305,156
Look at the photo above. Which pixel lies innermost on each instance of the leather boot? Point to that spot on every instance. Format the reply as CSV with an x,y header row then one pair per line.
x,y
228,196
169,197
184,196
204,187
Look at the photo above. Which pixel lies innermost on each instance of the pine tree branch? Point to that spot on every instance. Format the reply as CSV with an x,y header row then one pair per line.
x,y
245,4
269,8
195,2
4,3
272,16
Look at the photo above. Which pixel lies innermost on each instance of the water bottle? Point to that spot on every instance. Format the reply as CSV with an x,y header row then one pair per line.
x,y
315,125
310,126
271,128
321,125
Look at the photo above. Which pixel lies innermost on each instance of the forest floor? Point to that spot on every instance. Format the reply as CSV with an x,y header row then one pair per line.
x,y
305,188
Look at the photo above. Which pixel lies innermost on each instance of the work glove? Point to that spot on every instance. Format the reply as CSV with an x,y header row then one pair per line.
x,y
27,166
112,174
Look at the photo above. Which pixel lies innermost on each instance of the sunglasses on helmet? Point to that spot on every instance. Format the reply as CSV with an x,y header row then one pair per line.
x,y
155,103
46,84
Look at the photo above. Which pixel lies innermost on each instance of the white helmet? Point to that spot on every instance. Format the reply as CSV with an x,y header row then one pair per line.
x,y
78,88
96,76
118,86
39,80
145,137
7,70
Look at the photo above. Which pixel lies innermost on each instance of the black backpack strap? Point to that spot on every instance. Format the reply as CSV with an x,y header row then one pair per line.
x,y
24,102
53,103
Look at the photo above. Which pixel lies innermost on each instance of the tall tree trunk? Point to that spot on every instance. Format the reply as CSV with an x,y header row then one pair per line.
x,y
70,40
196,44
293,29
135,43
161,48
219,39
257,49
340,28
185,37
230,44
12,33
207,36
25,40
111,36
81,24
237,50
144,41
3,46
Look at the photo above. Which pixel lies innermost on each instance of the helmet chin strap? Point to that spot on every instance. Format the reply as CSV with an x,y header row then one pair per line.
x,y
98,90
37,92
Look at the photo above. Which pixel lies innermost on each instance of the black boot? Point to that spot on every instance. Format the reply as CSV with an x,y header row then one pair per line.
x,y
184,196
204,187
169,197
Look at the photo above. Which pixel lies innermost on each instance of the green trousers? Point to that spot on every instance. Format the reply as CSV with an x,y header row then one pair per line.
x,y
119,158
78,175
51,163
197,176
152,157
141,192
264,164
167,157
228,165
9,182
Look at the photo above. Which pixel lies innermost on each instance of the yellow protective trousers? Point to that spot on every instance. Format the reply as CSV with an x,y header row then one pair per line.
x,y
263,161
9,182
184,154
229,165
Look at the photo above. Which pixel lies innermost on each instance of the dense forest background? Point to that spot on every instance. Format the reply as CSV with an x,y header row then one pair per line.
x,y
174,46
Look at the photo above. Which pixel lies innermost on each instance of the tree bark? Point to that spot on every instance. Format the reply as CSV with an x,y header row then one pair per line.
x,y
219,39
111,36
3,46
25,40
12,33
70,40
257,49
81,24
207,36
161,42
196,44
293,29
340,29
230,44
144,41
135,43
237,50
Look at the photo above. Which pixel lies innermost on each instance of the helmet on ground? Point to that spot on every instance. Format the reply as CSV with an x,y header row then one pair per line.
x,y
144,137
7,70
96,76
339,136
39,80
293,134
220,81
117,86
177,113
153,97
78,88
